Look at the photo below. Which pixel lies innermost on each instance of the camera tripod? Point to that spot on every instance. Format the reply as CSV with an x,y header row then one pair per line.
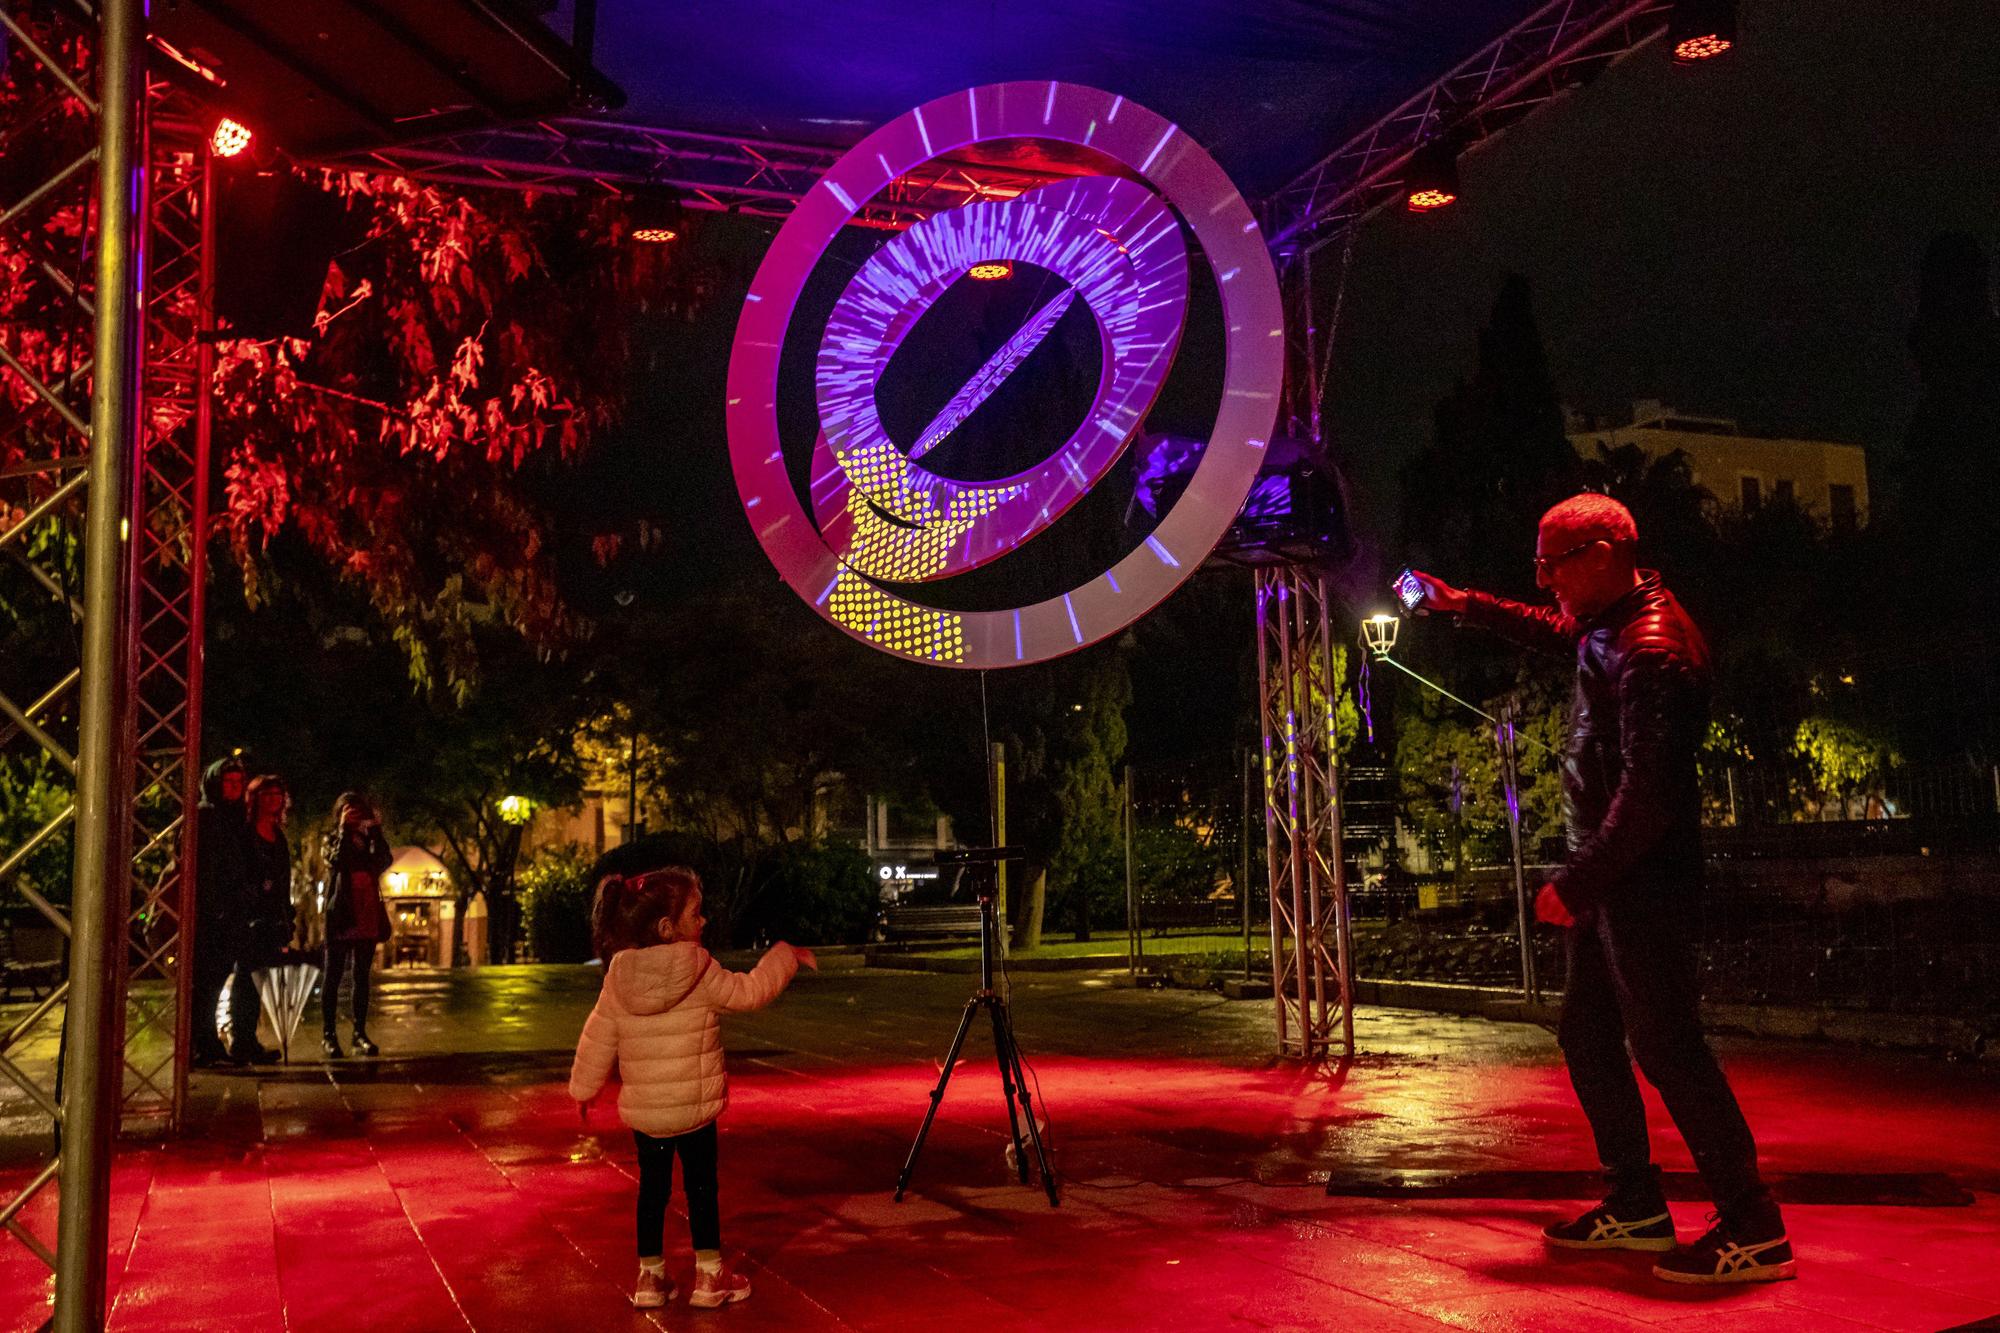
x,y
1013,1082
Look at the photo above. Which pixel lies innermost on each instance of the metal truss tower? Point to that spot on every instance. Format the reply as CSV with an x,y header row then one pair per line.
x,y
105,607
1312,983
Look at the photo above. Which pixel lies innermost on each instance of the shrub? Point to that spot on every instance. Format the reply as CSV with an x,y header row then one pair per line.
x,y
555,904
811,895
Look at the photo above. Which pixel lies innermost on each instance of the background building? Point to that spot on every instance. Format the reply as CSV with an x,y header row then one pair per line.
x,y
1741,470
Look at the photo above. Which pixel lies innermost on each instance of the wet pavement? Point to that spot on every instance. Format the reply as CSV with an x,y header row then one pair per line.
x,y
449,1185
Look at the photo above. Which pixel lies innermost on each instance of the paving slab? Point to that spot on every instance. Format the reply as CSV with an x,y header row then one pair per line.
x,y
450,1184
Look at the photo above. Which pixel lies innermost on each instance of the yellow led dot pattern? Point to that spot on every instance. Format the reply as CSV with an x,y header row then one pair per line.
x,y
917,543
887,621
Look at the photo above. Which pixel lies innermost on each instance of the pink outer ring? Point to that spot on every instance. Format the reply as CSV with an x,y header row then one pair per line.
x,y
1189,179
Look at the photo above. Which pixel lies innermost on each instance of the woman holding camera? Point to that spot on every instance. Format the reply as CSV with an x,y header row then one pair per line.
x,y
356,855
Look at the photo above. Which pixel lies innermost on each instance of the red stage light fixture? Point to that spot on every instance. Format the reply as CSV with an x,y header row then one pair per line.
x,y
656,218
1431,182
1701,29
229,137
992,270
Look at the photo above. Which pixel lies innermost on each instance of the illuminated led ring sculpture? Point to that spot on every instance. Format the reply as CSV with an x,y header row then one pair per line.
x,y
881,516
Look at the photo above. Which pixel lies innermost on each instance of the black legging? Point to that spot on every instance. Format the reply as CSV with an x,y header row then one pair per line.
x,y
213,961
337,954
656,1181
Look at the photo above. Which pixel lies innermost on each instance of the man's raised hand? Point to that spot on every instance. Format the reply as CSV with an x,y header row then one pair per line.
x,y
1438,595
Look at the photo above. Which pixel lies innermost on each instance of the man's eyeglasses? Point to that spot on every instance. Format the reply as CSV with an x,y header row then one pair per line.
x,y
1545,563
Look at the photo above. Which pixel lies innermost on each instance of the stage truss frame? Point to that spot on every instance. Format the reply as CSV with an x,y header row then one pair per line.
x,y
1312,982
1556,49
707,172
160,632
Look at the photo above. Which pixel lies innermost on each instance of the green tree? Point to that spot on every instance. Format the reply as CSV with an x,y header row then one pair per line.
x,y
1497,459
1069,788
1951,463
1846,766
555,904
33,793
1448,774
468,773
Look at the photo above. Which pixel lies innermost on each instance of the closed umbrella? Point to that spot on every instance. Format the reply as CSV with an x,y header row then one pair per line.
x,y
284,988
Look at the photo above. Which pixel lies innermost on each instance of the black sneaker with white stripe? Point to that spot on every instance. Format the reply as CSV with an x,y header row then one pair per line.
x,y
1616,1225
1733,1252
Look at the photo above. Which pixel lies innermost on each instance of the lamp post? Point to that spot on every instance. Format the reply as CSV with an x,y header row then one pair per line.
x,y
1378,633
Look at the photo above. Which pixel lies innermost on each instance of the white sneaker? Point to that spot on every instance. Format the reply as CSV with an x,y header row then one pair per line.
x,y
652,1290
712,1290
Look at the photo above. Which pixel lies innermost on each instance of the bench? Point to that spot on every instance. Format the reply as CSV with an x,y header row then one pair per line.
x,y
36,976
1183,913
947,921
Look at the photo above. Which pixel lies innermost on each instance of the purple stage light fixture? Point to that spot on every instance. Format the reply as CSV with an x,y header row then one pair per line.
x,y
877,515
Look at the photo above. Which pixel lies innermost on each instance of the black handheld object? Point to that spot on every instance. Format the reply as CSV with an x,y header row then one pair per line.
x,y
1409,590
979,856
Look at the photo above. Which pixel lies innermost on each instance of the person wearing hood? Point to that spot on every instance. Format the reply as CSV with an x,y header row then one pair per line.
x,y
658,1023
268,917
356,854
220,881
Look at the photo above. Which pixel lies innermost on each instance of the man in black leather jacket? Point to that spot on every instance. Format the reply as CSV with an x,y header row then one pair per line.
x,y
1628,892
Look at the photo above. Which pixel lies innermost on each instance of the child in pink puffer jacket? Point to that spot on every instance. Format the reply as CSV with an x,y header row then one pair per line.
x,y
658,1020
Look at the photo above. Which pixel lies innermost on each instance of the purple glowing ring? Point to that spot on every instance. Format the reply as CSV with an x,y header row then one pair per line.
x,y
1189,180
1117,247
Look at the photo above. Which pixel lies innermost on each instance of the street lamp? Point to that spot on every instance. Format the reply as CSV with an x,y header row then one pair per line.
x,y
1379,633
515,809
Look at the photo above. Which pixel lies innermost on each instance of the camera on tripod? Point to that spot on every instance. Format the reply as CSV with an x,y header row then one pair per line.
x,y
983,863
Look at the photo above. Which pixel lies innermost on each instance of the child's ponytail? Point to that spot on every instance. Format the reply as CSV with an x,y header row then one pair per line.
x,y
604,916
628,909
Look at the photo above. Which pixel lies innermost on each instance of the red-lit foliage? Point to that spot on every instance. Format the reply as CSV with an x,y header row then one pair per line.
x,y
466,345
460,347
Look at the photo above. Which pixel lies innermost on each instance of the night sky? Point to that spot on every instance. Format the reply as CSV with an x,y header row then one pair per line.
x,y
1741,240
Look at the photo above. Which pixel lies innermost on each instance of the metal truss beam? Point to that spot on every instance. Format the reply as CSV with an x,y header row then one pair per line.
x,y
1311,954
169,555
1560,46
139,833
758,177
44,439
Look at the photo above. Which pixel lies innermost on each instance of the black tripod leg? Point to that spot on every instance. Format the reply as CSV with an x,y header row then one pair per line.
x,y
937,1096
1003,1052
1028,1110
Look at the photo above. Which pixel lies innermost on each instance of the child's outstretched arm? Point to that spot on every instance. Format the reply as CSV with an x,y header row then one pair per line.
x,y
736,991
596,1052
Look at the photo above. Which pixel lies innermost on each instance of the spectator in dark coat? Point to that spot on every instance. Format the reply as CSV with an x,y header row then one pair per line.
x,y
268,917
220,883
356,855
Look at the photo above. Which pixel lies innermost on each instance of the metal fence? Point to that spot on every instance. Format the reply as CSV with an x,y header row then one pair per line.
x,y
1897,913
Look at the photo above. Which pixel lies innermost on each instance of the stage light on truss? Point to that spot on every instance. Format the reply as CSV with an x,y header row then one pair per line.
x,y
229,137
655,217
992,270
1379,633
1431,182
1701,30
